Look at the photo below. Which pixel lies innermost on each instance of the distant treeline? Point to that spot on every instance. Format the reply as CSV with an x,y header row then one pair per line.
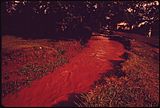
x,y
75,19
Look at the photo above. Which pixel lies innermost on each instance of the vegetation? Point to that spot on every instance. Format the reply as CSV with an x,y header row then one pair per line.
x,y
24,61
68,18
138,86
134,82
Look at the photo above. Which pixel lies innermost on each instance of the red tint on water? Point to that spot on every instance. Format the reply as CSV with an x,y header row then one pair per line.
x,y
77,76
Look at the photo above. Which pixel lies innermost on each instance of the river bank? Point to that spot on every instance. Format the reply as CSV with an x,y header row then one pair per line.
x,y
75,76
132,83
108,72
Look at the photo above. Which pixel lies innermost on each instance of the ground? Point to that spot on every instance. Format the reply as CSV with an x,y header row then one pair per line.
x,y
48,73
139,84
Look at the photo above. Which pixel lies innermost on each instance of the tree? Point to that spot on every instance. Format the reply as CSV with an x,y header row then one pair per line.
x,y
65,16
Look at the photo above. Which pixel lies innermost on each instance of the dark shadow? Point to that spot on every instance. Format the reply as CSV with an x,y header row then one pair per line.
x,y
71,101
125,55
115,72
42,27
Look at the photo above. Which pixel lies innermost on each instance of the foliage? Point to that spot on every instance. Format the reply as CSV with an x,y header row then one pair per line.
x,y
63,16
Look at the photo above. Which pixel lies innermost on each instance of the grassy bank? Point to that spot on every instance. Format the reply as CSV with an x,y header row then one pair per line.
x,y
24,61
133,82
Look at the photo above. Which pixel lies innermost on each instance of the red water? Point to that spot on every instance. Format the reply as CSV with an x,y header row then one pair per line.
x,y
75,77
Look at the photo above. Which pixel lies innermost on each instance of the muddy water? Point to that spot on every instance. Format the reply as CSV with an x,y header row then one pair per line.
x,y
75,77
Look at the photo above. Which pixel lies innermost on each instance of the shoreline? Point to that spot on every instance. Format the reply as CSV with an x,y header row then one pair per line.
x,y
117,64
116,71
130,83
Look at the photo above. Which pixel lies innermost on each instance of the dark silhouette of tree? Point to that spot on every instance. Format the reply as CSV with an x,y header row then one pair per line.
x,y
65,17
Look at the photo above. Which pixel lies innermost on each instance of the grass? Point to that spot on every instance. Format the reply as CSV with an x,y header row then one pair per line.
x,y
31,72
24,61
138,87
